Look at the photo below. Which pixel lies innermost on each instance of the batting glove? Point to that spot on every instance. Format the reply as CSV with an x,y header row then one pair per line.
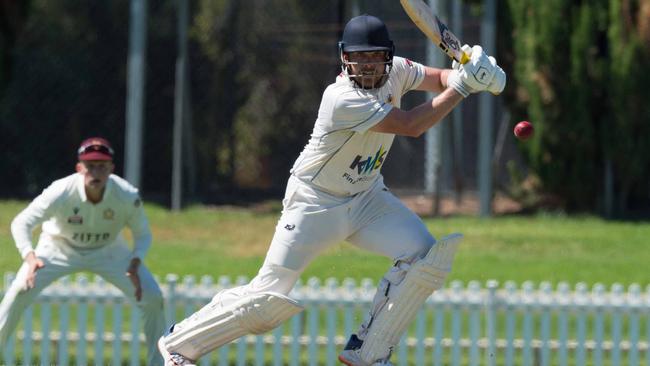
x,y
478,74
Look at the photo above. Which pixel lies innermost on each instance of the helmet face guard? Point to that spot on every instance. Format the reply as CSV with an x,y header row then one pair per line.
x,y
367,80
366,33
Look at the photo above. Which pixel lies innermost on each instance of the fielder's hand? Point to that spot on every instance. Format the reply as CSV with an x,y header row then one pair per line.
x,y
480,73
132,274
34,264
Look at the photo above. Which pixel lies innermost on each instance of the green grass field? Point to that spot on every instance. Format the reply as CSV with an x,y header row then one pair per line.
x,y
231,241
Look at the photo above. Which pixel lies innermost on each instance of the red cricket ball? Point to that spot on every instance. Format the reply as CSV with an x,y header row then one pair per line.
x,y
524,130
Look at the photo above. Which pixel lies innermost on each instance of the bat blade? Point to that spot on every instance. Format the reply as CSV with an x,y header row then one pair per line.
x,y
434,29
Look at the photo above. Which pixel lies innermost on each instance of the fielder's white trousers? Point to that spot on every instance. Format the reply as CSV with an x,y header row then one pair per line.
x,y
110,262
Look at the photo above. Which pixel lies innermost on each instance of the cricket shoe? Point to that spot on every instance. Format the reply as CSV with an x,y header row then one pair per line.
x,y
351,354
173,359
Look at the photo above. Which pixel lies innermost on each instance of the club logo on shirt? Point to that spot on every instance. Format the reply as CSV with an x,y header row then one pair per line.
x,y
369,164
75,219
109,214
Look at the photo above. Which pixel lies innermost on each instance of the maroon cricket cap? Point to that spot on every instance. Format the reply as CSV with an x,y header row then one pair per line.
x,y
95,148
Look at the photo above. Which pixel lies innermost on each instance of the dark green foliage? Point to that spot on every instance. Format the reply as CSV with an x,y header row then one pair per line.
x,y
65,78
579,77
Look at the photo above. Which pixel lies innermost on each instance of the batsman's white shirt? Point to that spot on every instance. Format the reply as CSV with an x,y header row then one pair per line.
x,y
336,192
70,220
343,157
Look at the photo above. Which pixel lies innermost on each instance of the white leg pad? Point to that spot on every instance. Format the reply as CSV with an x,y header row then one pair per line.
x,y
214,326
404,300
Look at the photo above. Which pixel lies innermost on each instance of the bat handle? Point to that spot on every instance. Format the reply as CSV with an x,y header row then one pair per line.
x,y
463,58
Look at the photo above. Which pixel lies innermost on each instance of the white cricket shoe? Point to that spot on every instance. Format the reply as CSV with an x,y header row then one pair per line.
x,y
173,359
351,357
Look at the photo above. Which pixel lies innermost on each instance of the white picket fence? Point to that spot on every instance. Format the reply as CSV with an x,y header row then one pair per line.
x,y
460,325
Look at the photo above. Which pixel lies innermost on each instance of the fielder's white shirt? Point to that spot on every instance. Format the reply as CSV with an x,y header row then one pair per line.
x,y
342,156
68,216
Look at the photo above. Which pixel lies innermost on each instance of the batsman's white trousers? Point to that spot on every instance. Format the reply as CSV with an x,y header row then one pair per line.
x,y
313,220
110,262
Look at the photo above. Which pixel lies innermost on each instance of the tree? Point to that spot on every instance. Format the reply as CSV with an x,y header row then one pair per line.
x,y
576,81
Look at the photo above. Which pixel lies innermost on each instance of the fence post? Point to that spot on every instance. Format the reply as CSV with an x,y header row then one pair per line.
x,y
528,300
439,319
546,301
9,348
616,304
45,327
647,325
28,341
135,334
617,324
634,304
580,303
312,324
456,321
63,295
82,317
100,297
511,300
349,297
598,292
563,320
490,321
474,299
118,305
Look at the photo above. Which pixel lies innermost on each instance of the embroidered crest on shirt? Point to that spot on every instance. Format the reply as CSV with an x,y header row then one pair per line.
x,y
75,219
109,214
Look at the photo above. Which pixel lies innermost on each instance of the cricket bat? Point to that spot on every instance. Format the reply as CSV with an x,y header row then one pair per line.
x,y
434,29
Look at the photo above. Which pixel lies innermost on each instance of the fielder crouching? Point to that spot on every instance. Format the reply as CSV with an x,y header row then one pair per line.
x,y
82,217
336,193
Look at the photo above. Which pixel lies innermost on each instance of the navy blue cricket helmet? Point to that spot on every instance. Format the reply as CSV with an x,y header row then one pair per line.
x,y
366,33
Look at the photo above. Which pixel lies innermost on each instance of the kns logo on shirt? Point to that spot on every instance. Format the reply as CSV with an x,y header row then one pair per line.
x,y
366,166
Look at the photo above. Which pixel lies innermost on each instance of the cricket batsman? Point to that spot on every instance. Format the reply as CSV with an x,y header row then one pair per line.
x,y
336,193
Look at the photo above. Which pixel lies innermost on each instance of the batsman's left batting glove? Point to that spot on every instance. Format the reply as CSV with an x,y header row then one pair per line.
x,y
495,85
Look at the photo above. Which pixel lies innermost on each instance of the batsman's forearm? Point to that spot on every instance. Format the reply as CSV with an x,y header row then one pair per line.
x,y
428,114
444,74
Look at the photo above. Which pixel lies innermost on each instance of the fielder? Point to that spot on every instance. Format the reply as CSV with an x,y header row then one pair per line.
x,y
336,192
82,216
